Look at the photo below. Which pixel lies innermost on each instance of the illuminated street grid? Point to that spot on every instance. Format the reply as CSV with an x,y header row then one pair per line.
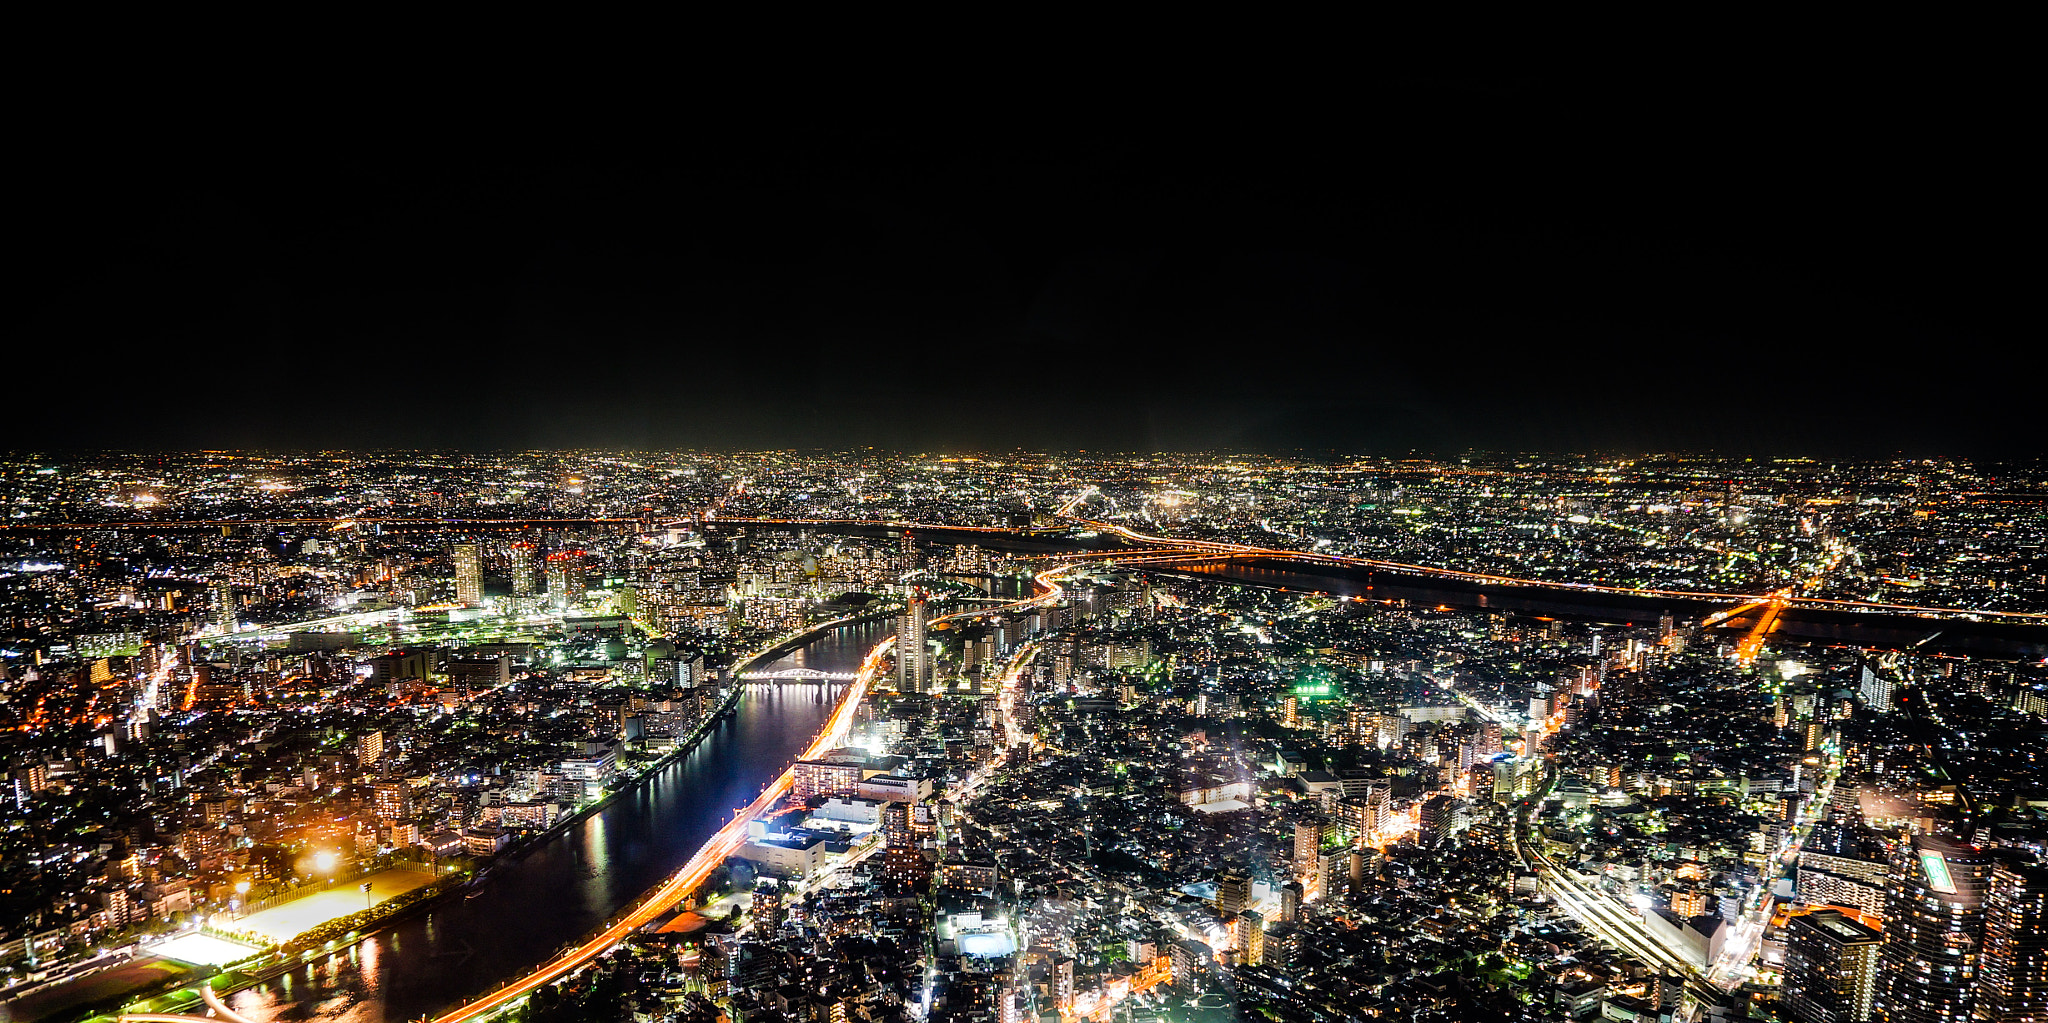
x,y
1146,784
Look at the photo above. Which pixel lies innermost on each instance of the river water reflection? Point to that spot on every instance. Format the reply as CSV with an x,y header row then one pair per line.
x,y
530,907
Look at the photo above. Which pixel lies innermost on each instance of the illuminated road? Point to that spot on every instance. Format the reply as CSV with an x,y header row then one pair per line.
x,y
1186,546
347,522
1166,549
1752,642
729,838
1610,920
1738,954
212,1000
724,843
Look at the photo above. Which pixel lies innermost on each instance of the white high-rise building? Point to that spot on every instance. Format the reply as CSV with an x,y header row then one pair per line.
x,y
1877,692
224,605
522,570
565,579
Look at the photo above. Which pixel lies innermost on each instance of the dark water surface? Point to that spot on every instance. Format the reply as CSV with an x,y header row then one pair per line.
x,y
559,892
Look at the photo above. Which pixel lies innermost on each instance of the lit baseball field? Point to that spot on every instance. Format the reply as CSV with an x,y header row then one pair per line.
x,y
282,922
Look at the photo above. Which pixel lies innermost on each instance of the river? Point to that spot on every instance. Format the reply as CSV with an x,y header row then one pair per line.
x,y
530,907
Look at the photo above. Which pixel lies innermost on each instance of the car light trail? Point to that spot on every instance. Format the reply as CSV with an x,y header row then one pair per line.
x,y
664,897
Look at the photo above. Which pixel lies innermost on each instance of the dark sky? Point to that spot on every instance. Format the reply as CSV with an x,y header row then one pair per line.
x,y
1827,266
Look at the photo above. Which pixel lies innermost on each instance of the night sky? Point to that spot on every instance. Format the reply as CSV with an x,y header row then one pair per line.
x,y
1841,266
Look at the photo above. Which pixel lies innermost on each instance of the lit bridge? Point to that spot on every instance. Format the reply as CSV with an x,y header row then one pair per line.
x,y
1781,615
797,675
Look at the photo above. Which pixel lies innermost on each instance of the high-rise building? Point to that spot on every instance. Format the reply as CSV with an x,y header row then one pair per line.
x,y
913,660
896,825
565,579
1933,929
1191,962
223,605
370,748
1434,821
1688,902
909,560
1830,968
1308,839
2012,976
1845,804
1333,873
1876,691
1249,931
1843,865
522,570
1365,815
1282,948
469,573
1233,894
392,799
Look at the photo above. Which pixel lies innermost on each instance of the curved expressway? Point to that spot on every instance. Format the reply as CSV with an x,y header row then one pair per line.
x,y
1965,631
1175,549
1608,919
664,897
728,839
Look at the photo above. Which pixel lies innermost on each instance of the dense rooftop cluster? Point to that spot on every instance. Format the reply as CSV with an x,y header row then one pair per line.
x,y
1354,811
224,676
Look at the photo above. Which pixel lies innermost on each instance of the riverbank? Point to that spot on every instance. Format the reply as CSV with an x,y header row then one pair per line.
x,y
568,852
662,898
727,701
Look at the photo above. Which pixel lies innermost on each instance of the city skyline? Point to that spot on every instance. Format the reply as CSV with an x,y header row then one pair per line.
x,y
1534,549
552,735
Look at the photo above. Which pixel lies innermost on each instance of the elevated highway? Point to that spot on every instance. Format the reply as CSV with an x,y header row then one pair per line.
x,y
685,880
1967,631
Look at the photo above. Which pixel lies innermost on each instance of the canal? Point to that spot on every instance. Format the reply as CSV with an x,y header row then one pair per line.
x,y
528,908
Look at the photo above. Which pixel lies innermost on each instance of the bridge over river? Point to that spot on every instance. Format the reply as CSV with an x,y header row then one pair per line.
x,y
1850,623
528,909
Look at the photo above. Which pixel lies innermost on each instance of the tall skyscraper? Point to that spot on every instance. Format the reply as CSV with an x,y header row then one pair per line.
x,y
565,579
1830,968
522,570
1933,930
909,560
913,661
223,605
469,573
2012,978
